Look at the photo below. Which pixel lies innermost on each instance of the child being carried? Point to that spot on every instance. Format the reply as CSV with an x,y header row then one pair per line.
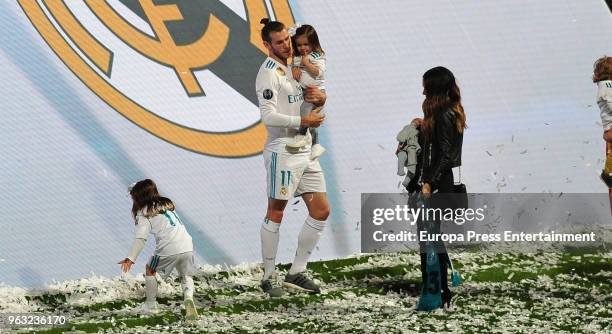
x,y
308,68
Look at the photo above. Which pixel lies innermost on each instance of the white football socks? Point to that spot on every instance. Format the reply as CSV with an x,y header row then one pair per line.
x,y
269,246
307,240
151,289
187,286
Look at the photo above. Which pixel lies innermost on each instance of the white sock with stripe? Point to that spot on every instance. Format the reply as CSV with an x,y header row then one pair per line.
x,y
187,286
307,240
269,246
150,289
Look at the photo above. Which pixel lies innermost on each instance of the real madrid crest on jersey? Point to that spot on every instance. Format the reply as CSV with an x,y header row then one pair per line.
x,y
283,191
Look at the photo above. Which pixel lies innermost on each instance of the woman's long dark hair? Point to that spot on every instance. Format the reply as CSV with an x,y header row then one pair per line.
x,y
441,93
145,196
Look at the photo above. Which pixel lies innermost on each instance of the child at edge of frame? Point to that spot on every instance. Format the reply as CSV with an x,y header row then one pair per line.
x,y
602,76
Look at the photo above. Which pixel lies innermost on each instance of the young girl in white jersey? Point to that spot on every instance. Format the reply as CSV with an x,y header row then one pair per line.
x,y
155,215
308,68
602,76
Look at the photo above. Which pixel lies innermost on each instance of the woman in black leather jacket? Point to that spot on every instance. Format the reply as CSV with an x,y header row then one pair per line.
x,y
442,138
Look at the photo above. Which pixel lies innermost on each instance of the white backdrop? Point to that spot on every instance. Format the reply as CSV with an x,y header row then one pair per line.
x,y
524,68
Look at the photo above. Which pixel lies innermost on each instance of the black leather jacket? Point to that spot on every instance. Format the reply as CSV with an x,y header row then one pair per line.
x,y
440,153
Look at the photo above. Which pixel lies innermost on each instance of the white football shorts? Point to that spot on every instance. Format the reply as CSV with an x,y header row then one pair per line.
x,y
164,265
289,175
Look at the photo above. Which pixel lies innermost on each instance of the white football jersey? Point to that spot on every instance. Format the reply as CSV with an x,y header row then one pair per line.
x,y
318,60
604,101
280,98
171,237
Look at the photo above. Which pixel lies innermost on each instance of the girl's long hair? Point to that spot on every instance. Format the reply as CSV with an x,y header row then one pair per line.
x,y
441,93
147,198
312,37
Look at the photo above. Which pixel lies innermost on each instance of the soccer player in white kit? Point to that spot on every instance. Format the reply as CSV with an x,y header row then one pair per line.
x,y
289,173
155,215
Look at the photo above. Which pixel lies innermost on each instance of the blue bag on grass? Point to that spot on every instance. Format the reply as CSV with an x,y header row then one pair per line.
x,y
455,277
431,297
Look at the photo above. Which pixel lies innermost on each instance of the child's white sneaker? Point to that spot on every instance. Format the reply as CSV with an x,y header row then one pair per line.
x,y
316,151
146,308
299,142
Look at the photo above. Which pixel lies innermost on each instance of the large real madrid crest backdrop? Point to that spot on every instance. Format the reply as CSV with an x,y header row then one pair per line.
x,y
98,94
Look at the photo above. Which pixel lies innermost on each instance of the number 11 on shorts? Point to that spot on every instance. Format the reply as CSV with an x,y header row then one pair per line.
x,y
288,173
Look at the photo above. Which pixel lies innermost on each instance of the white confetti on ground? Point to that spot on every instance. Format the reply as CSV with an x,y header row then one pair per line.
x,y
502,293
